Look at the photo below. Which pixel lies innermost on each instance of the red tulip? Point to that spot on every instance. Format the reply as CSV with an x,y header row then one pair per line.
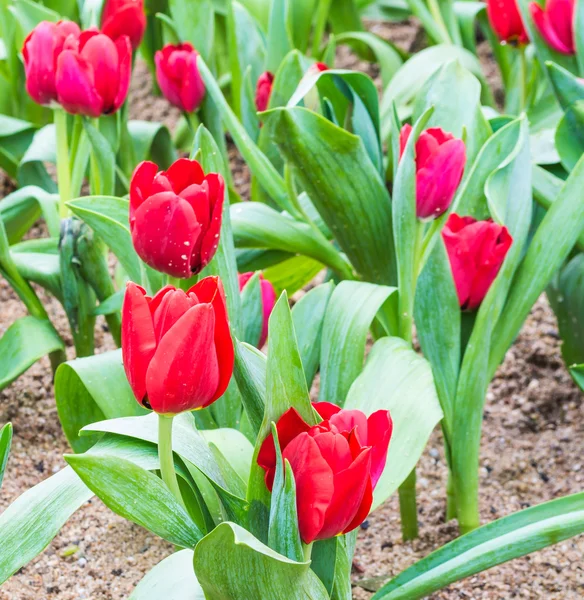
x,y
176,347
264,91
440,160
41,50
476,250
268,301
175,216
320,67
556,24
124,17
178,76
336,466
93,74
506,21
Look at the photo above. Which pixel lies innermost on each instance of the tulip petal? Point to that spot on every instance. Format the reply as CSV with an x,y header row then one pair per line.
x,y
39,65
183,374
169,87
120,18
193,88
351,420
184,173
379,430
172,307
140,184
364,508
314,485
101,53
542,22
334,448
426,146
562,17
404,136
290,425
138,339
164,233
326,409
211,236
124,48
210,290
75,85
350,486
268,303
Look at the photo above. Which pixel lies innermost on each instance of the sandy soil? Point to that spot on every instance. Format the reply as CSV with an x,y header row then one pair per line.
x,y
531,453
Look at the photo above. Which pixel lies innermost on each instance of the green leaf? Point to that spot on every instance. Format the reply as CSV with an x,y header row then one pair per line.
x,y
252,311
250,374
577,372
283,534
256,225
32,168
108,217
38,266
507,538
172,579
27,340
152,141
397,379
300,16
15,138
102,180
293,274
29,14
349,314
195,23
21,209
570,135
91,389
229,551
235,447
137,495
308,315
334,169
278,44
5,441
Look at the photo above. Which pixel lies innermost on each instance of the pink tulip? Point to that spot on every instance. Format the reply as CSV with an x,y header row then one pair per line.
x,y
268,301
264,91
556,24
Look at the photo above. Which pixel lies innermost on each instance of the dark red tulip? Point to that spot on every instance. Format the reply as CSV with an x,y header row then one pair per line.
x,y
124,17
336,466
556,24
176,347
476,250
440,160
268,301
175,216
41,51
264,91
506,21
178,76
93,74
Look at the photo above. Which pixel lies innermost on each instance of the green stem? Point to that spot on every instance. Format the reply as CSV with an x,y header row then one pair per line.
x,y
522,79
166,457
324,7
174,281
437,14
63,173
451,511
408,508
307,551
468,509
95,184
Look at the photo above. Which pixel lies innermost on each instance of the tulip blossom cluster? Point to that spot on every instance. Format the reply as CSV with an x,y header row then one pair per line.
x,y
440,161
177,348
268,301
506,21
336,466
476,250
555,23
175,216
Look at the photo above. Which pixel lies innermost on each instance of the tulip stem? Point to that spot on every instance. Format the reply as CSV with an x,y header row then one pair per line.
x,y
166,457
63,172
408,509
307,548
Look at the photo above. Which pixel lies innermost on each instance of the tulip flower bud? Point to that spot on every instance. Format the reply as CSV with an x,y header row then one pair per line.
x,y
93,74
440,161
178,76
336,466
476,250
177,347
175,216
41,51
268,302
124,17
556,24
264,91
506,21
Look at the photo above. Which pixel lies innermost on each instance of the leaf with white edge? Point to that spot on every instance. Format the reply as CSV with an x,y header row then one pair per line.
x,y
504,539
349,314
397,379
172,579
229,551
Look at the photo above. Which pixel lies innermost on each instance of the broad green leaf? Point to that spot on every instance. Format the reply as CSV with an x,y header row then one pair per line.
x,y
38,266
27,340
21,209
250,374
350,311
252,311
108,217
308,315
570,135
334,169
103,178
29,14
566,295
300,15
5,441
234,446
397,379
32,168
507,538
577,372
229,551
15,137
278,42
579,35
91,389
152,141
195,23
172,579
567,87
137,495
293,274
256,225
